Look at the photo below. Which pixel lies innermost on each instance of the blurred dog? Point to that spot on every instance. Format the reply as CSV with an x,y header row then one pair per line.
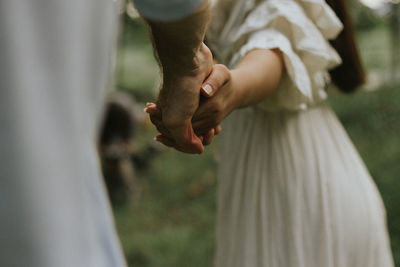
x,y
117,148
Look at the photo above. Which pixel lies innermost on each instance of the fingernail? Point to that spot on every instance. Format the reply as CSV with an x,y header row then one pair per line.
x,y
208,89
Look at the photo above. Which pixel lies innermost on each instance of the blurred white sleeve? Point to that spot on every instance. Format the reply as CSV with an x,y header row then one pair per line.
x,y
55,65
166,10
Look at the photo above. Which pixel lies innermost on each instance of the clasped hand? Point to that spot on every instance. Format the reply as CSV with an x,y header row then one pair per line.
x,y
191,106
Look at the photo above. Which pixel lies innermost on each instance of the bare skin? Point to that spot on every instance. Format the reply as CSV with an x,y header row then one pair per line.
x,y
185,62
256,77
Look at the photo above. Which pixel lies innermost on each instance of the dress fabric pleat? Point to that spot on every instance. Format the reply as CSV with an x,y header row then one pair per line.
x,y
293,191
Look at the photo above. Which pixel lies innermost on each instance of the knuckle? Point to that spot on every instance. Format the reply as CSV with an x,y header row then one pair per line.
x,y
221,77
221,67
224,70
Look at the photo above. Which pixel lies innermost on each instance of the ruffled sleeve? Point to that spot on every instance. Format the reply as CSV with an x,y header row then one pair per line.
x,y
301,30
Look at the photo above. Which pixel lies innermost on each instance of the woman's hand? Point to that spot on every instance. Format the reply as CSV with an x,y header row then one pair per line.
x,y
221,100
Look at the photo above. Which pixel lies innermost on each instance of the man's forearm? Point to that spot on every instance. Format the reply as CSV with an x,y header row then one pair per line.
x,y
178,42
186,62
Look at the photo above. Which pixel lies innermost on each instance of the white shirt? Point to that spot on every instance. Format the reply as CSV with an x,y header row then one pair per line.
x,y
56,63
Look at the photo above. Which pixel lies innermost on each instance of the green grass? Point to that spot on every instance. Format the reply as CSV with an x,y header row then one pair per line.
x,y
172,223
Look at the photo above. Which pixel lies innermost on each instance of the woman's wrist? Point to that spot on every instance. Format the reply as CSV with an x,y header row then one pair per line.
x,y
239,98
257,76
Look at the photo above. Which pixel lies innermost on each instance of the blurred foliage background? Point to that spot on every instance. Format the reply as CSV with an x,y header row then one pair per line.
x,y
170,220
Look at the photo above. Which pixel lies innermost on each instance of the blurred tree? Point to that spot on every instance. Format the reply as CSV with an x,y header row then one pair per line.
x,y
364,18
395,40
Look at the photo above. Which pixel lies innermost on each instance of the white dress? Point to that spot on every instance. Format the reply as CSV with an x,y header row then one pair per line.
x,y
293,191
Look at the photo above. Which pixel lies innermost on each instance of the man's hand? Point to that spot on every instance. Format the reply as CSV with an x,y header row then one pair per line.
x,y
178,101
185,62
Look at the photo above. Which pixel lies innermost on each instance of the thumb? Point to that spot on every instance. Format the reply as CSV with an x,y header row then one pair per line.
x,y
186,140
220,75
